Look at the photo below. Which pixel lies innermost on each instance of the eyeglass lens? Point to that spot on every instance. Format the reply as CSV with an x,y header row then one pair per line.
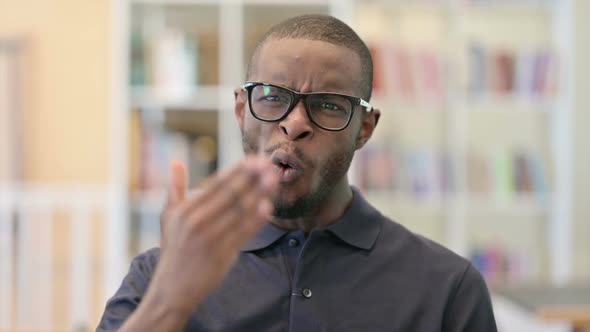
x,y
327,110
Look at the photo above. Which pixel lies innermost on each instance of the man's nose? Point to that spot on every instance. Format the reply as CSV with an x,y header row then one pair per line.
x,y
297,125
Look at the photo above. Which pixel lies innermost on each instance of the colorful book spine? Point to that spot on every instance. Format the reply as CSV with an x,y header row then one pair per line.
x,y
520,74
409,75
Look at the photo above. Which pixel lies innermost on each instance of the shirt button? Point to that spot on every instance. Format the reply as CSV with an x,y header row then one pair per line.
x,y
293,242
306,292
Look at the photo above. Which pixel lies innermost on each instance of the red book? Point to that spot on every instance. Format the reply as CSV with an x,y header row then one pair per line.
x,y
428,70
378,86
403,74
503,73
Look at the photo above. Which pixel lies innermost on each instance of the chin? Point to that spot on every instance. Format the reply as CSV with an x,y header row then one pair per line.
x,y
289,211
290,205
285,198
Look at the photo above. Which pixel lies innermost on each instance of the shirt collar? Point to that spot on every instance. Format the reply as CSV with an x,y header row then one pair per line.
x,y
267,235
358,227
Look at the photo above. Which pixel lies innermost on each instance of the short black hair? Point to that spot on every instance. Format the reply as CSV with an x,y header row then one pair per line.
x,y
327,29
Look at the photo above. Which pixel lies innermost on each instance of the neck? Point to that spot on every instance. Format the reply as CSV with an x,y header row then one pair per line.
x,y
327,213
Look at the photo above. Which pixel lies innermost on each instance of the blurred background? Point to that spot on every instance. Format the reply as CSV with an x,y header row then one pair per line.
x,y
482,145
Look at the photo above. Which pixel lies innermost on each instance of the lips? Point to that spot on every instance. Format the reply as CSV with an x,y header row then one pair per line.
x,y
287,166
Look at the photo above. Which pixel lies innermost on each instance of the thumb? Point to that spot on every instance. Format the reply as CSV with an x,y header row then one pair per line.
x,y
178,182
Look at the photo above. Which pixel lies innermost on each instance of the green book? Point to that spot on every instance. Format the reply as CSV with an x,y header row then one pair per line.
x,y
504,171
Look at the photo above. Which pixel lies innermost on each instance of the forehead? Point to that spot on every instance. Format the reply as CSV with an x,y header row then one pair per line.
x,y
308,66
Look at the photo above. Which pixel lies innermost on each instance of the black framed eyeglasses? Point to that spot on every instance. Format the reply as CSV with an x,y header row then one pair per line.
x,y
327,110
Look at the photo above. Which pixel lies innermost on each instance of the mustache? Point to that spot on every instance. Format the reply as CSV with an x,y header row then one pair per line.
x,y
288,147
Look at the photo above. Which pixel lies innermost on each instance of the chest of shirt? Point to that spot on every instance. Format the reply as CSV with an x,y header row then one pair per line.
x,y
322,285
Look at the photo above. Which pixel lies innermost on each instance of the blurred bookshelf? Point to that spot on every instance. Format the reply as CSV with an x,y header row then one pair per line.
x,y
465,150
469,95
184,59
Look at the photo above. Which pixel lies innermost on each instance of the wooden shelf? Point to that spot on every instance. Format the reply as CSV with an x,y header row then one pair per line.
x,y
486,203
196,98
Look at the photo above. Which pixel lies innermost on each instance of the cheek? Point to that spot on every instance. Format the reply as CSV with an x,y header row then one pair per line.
x,y
252,126
333,156
256,134
249,125
256,128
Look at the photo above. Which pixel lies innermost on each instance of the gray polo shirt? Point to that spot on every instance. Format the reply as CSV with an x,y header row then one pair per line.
x,y
363,273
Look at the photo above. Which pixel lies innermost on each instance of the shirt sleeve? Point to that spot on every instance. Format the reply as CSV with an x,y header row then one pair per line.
x,y
470,308
132,289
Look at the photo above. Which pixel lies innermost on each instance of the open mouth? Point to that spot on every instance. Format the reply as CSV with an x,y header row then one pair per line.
x,y
288,166
284,166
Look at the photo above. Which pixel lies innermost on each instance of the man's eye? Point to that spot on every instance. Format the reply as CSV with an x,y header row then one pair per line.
x,y
330,106
276,98
272,98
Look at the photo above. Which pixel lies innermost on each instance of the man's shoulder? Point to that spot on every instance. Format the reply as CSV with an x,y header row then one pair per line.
x,y
152,255
418,250
415,252
146,261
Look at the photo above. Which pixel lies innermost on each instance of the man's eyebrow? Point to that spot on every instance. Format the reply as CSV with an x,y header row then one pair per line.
x,y
337,86
282,79
330,85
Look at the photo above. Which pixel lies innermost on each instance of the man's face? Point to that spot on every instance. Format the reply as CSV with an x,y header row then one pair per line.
x,y
311,161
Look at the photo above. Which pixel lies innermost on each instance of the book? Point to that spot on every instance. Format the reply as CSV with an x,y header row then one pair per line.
x,y
173,65
158,148
377,168
523,181
202,158
410,75
523,74
478,74
503,73
447,175
500,265
429,81
538,175
478,174
503,174
402,74
378,70
137,61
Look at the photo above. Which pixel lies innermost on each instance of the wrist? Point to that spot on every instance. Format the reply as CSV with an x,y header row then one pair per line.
x,y
174,290
155,313
169,299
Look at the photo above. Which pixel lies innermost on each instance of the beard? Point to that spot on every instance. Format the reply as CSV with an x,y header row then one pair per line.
x,y
333,169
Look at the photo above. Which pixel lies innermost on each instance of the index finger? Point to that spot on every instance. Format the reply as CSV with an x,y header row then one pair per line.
x,y
178,183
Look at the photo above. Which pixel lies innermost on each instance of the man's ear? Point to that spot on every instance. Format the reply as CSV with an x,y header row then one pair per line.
x,y
240,106
368,124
